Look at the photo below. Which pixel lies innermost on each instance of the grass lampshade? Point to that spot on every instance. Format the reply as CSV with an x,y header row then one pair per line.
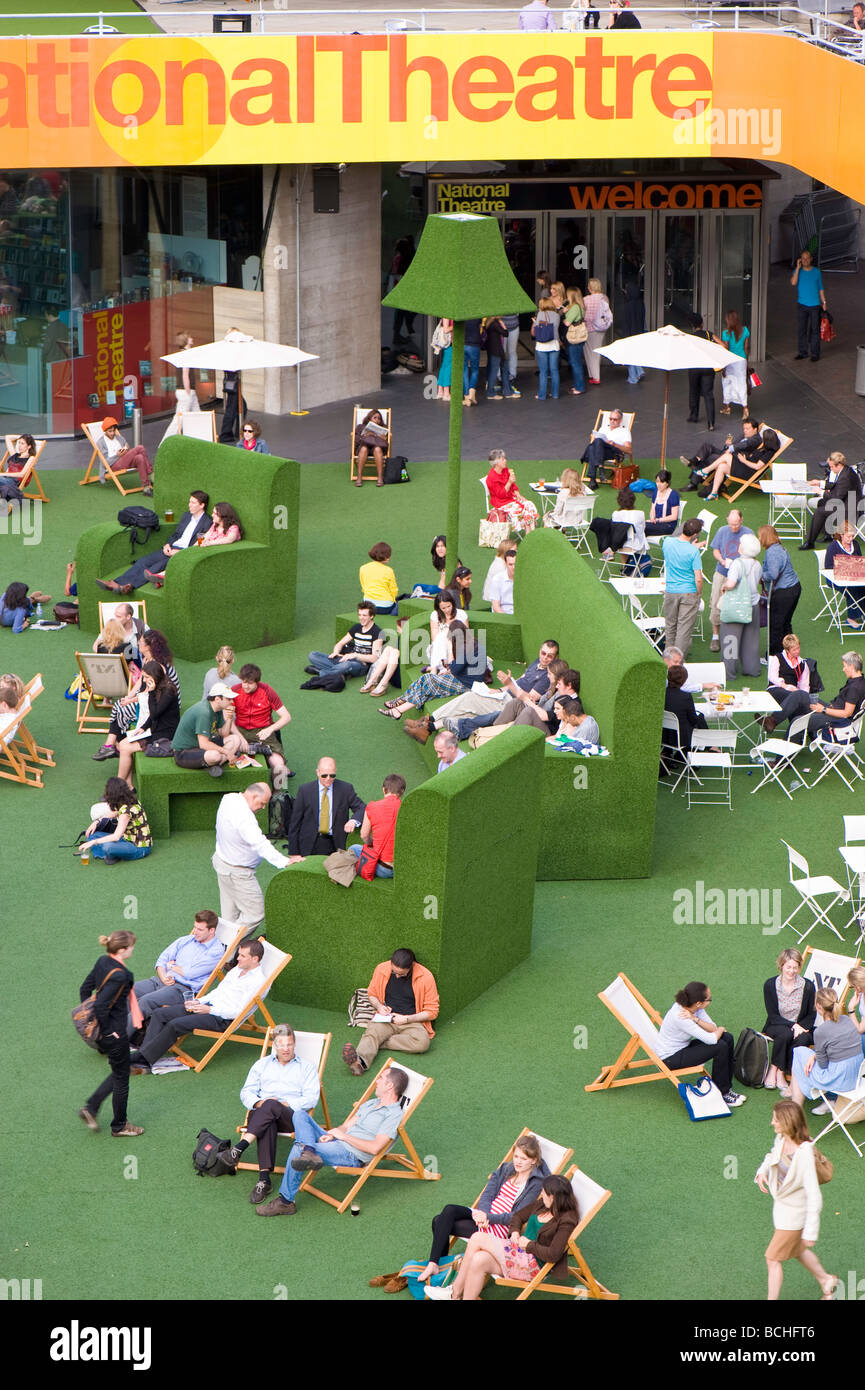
x,y
460,271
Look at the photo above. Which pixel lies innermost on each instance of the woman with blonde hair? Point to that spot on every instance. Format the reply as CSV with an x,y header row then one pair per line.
x,y
856,981
110,984
573,501
599,319
112,638
790,1016
575,335
545,331
221,671
835,1063
789,1174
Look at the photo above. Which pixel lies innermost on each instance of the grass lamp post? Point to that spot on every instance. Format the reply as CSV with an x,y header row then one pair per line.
x,y
460,271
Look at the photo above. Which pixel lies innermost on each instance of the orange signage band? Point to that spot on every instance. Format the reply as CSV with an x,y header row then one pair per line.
x,y
162,100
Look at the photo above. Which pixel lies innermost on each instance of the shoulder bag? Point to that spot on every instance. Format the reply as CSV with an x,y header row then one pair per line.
x,y
735,606
84,1014
703,1100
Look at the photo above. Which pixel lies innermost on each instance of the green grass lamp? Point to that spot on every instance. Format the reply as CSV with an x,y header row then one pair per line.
x,y
460,271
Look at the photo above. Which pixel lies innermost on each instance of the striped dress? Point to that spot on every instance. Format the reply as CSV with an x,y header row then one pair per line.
x,y
505,1201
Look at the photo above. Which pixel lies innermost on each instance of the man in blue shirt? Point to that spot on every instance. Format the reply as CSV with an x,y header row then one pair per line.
x,y
684,569
183,967
372,1129
471,711
810,300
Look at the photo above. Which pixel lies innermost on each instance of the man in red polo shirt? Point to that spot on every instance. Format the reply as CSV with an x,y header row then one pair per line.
x,y
259,714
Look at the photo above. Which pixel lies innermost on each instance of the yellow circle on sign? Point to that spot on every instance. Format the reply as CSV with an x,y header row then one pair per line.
x,y
170,109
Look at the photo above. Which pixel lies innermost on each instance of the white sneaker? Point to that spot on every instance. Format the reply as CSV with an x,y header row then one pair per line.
x,y
442,1295
821,1109
734,1099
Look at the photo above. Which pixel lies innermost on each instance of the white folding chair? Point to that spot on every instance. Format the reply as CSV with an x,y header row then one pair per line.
x,y
840,748
787,511
708,673
672,747
775,755
708,519
848,1108
853,853
656,542
652,628
828,593
709,779
578,532
811,889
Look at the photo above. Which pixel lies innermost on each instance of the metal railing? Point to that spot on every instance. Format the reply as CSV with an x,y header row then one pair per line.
x,y
816,26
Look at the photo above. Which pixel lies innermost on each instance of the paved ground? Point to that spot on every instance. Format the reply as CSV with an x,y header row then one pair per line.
x,y
814,402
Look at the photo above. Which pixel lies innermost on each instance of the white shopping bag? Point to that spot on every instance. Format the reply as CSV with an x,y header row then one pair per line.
x,y
703,1100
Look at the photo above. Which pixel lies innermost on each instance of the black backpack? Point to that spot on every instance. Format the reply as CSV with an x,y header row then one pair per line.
x,y
279,811
751,1057
206,1152
140,522
395,470
331,680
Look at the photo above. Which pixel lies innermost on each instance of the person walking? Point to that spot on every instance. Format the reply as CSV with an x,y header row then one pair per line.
x,y
736,338
110,983
634,313
789,1174
810,303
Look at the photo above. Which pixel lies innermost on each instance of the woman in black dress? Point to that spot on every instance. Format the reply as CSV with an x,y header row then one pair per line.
x,y
111,982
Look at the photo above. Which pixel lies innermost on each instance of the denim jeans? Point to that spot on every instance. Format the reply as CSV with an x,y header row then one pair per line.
x,y
120,849
635,374
548,366
513,341
306,1135
575,361
497,366
381,870
471,369
325,664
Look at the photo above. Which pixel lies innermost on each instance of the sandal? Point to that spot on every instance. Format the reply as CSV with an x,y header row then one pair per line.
x,y
392,704
829,1293
358,483
379,690
391,713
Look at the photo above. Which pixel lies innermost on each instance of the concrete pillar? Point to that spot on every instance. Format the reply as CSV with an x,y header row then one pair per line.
x,y
340,288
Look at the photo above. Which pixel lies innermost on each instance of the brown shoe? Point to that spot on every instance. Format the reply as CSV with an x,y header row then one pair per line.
x,y
418,731
352,1061
128,1131
381,1279
768,724
397,1284
278,1207
92,1123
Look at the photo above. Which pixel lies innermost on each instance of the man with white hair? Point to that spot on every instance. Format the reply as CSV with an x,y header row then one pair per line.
x,y
725,549
277,1086
448,750
673,657
240,847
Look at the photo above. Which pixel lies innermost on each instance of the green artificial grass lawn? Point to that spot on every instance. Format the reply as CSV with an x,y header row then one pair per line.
x,y
520,1055
82,13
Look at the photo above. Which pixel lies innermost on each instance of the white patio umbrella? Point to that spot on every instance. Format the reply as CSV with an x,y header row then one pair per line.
x,y
669,350
239,352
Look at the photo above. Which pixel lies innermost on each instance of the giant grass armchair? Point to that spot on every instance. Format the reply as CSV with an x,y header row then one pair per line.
x,y
241,594
465,856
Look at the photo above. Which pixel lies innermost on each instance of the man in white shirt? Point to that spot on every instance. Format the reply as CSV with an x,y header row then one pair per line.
x,y
448,750
276,1086
216,1011
502,587
611,441
240,848
194,523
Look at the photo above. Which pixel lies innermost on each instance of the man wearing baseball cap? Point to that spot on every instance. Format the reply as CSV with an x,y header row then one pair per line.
x,y
117,454
202,738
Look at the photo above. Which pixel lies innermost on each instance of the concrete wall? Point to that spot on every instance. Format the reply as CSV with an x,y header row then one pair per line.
x,y
342,325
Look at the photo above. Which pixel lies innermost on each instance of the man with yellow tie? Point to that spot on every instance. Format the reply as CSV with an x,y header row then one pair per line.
x,y
324,813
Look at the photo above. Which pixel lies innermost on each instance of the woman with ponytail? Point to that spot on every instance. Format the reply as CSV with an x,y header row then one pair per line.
x,y
110,982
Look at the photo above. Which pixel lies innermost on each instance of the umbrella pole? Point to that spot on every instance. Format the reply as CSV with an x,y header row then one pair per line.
x,y
664,431
455,435
240,406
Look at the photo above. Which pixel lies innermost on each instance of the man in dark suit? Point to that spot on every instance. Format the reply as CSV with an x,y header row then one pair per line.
x,y
839,502
194,523
324,813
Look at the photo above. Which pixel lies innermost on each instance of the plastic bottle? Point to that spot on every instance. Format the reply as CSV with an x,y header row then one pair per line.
x,y
39,612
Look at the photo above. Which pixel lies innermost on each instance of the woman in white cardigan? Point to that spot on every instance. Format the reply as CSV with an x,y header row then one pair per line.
x,y
790,1175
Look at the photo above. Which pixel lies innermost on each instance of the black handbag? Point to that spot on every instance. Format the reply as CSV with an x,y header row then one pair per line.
x,y
395,470
158,748
84,1018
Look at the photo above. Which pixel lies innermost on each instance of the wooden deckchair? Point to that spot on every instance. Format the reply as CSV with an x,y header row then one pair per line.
x,y
590,1197
244,1028
104,678
93,431
741,484
408,1165
29,475
312,1048
641,1021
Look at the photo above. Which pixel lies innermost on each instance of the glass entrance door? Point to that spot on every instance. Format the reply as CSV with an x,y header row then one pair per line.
x,y
681,269
520,235
570,258
619,262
